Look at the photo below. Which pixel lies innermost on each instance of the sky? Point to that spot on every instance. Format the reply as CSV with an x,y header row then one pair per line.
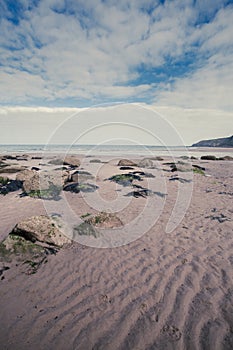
x,y
60,56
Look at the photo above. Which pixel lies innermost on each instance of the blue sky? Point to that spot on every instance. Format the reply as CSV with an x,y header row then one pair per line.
x,y
77,53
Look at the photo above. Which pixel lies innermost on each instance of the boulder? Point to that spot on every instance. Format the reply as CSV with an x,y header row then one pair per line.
x,y
126,162
25,175
40,228
46,185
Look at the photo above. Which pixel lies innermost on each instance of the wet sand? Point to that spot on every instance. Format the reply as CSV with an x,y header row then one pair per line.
x,y
164,290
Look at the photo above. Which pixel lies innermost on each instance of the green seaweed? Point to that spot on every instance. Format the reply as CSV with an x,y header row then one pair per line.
x,y
198,171
4,180
85,215
50,193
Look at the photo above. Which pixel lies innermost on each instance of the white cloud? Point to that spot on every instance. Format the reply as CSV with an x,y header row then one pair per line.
x,y
95,57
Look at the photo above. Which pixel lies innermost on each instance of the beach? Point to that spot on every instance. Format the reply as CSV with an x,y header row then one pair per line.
x,y
151,270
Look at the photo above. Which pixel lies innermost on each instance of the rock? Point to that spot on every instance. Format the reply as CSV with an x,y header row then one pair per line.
x,y
35,168
95,161
56,161
142,173
126,168
146,163
9,157
45,185
17,248
126,162
104,220
86,229
198,167
81,176
72,161
10,186
40,228
80,187
180,179
226,158
25,175
158,158
140,193
11,169
125,179
208,157
36,157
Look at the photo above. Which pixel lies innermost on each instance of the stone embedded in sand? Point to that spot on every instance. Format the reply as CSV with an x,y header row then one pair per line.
x,y
145,192
8,185
226,158
208,157
104,220
125,179
126,162
11,169
95,161
126,168
180,179
17,247
72,161
86,229
40,228
198,167
81,176
77,187
146,163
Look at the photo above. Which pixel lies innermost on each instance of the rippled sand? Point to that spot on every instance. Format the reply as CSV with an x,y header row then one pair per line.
x,y
163,291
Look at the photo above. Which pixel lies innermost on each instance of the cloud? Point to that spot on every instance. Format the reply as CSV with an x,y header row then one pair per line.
x,y
63,52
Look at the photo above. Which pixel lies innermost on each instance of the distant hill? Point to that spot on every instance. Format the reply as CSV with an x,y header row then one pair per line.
x,y
223,142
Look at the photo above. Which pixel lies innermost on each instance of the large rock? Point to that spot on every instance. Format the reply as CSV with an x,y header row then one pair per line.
x,y
26,174
40,228
126,162
47,185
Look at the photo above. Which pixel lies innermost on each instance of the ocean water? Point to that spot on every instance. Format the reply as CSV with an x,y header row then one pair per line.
x,y
117,150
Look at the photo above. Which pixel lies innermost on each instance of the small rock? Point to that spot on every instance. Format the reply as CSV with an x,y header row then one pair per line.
x,y
126,162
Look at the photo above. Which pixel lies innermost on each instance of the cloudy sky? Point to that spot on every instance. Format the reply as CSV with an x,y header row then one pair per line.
x,y
176,56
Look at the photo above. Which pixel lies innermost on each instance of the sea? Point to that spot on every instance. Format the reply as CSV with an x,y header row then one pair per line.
x,y
115,150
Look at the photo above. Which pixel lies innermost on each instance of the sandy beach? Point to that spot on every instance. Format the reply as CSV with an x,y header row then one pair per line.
x,y
153,277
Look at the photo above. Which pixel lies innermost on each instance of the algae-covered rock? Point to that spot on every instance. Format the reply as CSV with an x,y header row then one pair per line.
x,y
40,228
